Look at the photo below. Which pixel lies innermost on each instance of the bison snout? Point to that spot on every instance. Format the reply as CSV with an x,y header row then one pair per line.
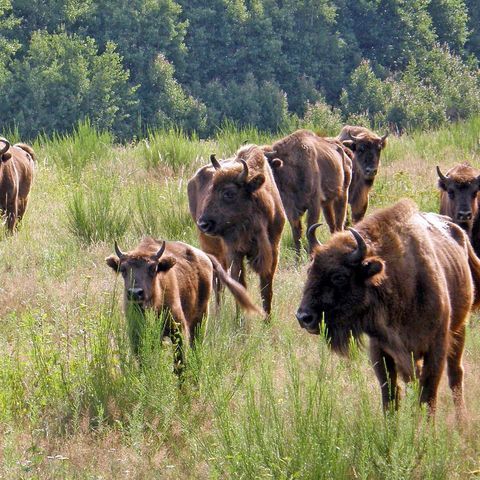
x,y
206,225
464,215
136,294
307,319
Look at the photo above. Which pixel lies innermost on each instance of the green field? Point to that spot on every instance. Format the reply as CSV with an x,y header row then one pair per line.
x,y
258,401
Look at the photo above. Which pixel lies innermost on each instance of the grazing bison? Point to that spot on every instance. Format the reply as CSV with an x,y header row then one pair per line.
x,y
172,278
367,147
406,279
237,204
459,199
311,173
16,176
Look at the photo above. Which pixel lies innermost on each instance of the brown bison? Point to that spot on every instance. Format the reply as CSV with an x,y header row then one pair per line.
x,y
406,279
367,147
459,199
237,203
311,174
175,279
16,176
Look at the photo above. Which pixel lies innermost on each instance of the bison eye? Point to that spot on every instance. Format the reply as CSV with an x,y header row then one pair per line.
x,y
123,271
339,279
361,148
451,193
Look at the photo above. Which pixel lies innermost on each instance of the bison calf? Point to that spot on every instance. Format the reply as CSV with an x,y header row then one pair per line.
x,y
172,278
406,279
367,147
311,173
459,200
16,176
237,207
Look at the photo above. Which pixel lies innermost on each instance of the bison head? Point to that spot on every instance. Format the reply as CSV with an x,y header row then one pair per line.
x,y
339,287
229,202
367,151
4,147
461,184
140,272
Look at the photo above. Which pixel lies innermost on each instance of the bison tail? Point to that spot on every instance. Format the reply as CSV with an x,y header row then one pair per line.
x,y
474,264
238,291
26,148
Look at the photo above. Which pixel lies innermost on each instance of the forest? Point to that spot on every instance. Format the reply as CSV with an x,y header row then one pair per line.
x,y
132,67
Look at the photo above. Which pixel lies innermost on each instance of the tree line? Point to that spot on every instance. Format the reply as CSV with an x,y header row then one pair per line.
x,y
134,65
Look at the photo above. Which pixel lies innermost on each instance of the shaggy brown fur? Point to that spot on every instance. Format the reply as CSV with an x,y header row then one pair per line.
x,y
16,177
459,199
408,280
176,282
239,205
367,147
311,173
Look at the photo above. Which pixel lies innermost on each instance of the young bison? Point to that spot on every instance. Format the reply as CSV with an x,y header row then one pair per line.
x,y
367,147
172,278
459,199
406,279
16,177
237,203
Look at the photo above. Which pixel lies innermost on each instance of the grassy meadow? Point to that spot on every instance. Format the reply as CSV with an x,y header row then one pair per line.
x,y
258,401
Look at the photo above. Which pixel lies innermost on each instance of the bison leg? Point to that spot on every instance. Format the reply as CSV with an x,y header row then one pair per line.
x,y
340,207
329,214
386,373
12,213
455,371
433,365
266,292
359,208
296,226
22,207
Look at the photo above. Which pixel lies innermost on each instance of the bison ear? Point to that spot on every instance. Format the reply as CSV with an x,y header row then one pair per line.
x,y
276,163
256,182
350,144
373,270
6,156
113,262
166,264
442,185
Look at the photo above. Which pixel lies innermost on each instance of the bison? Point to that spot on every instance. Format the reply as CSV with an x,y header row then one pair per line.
x,y
459,199
239,212
367,147
406,279
172,278
311,174
16,176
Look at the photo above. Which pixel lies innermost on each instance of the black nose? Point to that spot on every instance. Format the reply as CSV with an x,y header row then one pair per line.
x,y
135,294
206,225
305,318
371,172
464,215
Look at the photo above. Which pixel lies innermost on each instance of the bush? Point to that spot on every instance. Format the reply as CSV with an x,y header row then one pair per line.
x,y
322,118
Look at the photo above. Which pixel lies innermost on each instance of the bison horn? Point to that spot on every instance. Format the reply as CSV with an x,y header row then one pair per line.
x,y
160,251
6,147
384,137
270,155
311,237
244,175
119,253
354,138
360,252
441,175
215,162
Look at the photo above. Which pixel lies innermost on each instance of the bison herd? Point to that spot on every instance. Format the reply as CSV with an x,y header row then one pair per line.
x,y
406,279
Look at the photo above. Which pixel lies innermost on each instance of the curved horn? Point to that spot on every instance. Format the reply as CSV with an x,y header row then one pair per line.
x,y
119,253
384,137
215,162
270,155
441,175
244,175
6,147
311,237
361,251
355,138
160,251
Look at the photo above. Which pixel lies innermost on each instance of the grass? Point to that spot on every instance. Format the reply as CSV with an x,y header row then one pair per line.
x,y
257,401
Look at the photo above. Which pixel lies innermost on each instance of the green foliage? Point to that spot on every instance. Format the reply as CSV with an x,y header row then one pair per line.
x,y
323,119
95,213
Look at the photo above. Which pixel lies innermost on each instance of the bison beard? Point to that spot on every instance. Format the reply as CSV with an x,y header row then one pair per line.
x,y
406,279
